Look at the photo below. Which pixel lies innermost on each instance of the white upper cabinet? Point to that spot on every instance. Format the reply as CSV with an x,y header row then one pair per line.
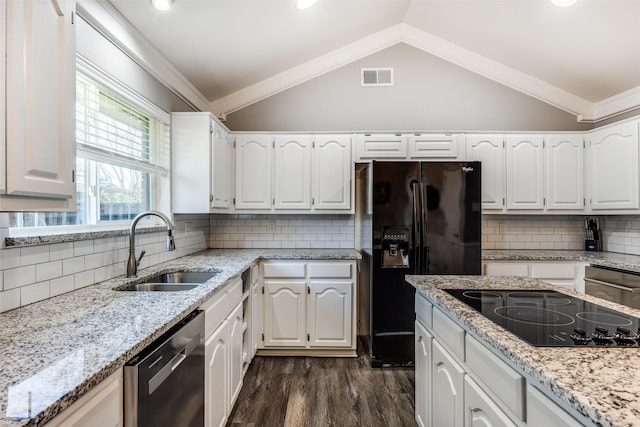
x,y
40,106
381,146
564,165
222,174
434,146
613,167
489,149
254,162
525,172
202,164
333,172
292,173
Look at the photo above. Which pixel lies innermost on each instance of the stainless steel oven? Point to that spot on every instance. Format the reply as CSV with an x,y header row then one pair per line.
x,y
164,384
612,284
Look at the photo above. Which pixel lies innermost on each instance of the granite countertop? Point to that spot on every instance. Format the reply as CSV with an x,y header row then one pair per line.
x,y
607,259
600,383
56,350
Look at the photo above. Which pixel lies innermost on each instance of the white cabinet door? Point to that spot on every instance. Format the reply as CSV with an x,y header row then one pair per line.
x,y
480,410
329,313
256,303
525,172
191,144
222,165
216,392
333,172
614,167
490,150
284,313
40,95
565,159
448,400
433,146
235,322
423,376
292,172
254,157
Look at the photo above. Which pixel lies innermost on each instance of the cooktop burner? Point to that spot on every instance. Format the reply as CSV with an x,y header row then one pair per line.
x,y
550,318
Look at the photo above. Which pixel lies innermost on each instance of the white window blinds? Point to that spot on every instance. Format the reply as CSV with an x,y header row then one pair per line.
x,y
115,132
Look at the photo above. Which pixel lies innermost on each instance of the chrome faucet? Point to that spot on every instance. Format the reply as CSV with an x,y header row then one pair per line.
x,y
132,263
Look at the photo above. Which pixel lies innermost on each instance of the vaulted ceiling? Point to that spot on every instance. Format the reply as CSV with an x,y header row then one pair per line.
x,y
584,58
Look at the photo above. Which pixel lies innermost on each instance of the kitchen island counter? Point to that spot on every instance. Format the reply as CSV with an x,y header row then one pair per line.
x,y
56,350
601,384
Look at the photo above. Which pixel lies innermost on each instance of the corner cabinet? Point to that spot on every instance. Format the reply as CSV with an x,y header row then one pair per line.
x,y
38,120
202,164
309,308
613,167
294,174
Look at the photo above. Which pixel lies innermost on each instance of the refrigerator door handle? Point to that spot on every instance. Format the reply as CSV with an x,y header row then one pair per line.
x,y
424,249
417,207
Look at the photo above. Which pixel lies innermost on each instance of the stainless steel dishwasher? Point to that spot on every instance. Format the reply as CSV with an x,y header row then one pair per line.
x,y
164,384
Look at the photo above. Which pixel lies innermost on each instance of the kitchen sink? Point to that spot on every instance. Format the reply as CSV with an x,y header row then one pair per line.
x,y
174,281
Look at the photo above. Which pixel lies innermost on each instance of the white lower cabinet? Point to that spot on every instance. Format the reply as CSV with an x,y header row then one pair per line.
x,y
565,274
423,341
475,387
309,305
216,383
224,355
447,380
101,407
480,410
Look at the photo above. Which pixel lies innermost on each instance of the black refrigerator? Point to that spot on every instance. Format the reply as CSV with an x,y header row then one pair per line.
x,y
425,219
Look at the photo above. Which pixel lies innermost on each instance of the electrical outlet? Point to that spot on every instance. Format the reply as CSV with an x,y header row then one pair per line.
x,y
271,226
188,226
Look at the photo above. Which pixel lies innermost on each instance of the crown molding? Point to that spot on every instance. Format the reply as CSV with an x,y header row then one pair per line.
x,y
120,32
617,104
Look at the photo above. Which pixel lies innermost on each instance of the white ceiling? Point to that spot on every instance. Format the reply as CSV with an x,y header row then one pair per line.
x,y
589,51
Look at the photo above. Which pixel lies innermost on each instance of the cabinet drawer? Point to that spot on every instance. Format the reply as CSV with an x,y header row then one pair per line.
x,y
542,411
215,311
424,310
330,270
381,146
449,333
284,269
433,146
507,269
504,382
234,292
553,271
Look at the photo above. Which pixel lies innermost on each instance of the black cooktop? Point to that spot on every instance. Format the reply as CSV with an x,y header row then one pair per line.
x,y
550,318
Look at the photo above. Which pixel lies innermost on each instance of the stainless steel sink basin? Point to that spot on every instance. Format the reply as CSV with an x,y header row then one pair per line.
x,y
175,281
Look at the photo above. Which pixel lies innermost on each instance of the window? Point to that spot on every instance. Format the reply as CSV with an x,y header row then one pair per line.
x,y
122,159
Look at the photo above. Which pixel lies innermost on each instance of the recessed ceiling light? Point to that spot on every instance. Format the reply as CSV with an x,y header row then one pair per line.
x,y
305,4
162,4
563,3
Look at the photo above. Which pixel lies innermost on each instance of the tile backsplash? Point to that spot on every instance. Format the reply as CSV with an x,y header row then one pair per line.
x,y
33,273
282,231
532,232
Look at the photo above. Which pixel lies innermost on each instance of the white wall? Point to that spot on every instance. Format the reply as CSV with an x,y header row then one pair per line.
x,y
430,94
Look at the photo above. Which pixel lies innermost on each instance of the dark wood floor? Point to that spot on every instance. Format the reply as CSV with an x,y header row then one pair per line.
x,y
313,392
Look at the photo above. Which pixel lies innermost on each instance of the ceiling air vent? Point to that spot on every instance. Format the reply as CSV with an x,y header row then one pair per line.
x,y
376,76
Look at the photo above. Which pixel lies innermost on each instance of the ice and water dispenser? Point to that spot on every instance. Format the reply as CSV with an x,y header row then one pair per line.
x,y
395,248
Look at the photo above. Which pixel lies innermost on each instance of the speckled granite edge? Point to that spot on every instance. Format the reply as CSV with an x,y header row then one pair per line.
x,y
600,383
109,327
607,259
12,242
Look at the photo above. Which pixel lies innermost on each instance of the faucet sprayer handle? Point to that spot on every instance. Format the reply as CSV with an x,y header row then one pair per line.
x,y
140,257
